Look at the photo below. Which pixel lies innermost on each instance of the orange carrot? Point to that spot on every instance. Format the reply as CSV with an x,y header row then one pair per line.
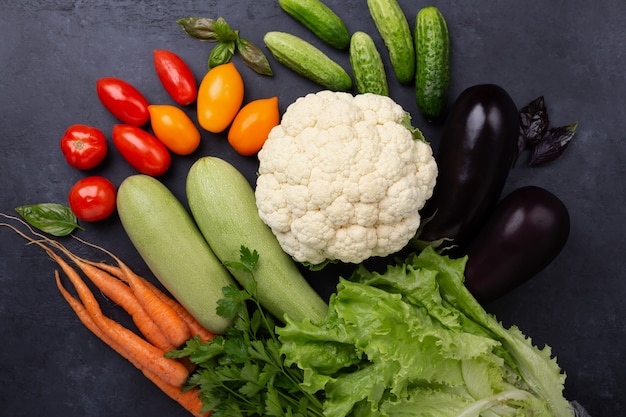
x,y
121,294
170,323
188,399
148,356
85,318
113,288
116,271
194,325
167,374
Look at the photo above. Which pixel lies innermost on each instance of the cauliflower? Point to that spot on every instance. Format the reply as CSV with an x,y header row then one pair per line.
x,y
342,178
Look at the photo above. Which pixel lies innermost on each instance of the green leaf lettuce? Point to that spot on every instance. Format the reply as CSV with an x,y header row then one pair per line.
x,y
412,341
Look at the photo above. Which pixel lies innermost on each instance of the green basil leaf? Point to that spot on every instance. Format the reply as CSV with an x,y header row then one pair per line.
x,y
221,54
55,219
253,56
223,31
201,28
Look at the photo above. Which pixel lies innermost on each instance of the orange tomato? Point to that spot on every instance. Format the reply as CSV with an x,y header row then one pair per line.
x,y
253,124
219,97
174,128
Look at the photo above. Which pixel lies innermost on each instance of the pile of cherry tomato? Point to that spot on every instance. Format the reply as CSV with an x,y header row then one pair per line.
x,y
219,99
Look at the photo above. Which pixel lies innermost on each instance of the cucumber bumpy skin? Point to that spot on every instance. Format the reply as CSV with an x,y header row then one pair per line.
x,y
223,204
319,19
169,242
367,65
432,50
393,27
307,60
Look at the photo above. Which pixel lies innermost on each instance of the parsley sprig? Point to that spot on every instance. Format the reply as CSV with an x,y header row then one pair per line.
x,y
242,373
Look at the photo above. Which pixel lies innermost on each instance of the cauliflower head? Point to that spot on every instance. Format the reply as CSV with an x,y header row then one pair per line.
x,y
343,178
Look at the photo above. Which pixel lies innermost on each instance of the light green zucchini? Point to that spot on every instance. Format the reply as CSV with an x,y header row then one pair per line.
x,y
393,27
223,204
173,248
432,49
367,65
319,19
307,60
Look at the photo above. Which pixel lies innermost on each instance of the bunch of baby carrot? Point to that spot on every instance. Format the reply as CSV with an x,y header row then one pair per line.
x,y
163,324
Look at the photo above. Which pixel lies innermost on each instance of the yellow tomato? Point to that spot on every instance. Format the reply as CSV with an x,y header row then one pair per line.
x,y
253,124
174,128
219,97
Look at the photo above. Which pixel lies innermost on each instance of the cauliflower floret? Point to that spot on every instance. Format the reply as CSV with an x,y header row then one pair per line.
x,y
342,178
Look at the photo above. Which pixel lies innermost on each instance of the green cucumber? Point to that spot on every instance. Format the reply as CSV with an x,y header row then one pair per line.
x,y
170,243
393,27
320,20
307,60
367,65
432,50
223,204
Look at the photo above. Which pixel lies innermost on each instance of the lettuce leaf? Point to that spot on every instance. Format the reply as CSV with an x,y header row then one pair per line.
x,y
412,341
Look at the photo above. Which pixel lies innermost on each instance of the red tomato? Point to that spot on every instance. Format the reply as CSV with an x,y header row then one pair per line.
x,y
92,198
123,100
219,97
253,124
83,146
176,77
141,150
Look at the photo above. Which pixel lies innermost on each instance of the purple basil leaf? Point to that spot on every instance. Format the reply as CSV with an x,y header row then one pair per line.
x,y
553,144
201,28
534,122
253,56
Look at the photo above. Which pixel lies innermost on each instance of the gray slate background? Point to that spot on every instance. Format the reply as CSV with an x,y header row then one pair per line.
x,y
52,52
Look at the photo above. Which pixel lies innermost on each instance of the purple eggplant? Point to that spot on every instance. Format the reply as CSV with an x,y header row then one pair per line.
x,y
477,149
524,234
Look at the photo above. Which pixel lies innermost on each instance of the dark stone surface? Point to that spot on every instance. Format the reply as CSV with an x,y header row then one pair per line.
x,y
52,52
